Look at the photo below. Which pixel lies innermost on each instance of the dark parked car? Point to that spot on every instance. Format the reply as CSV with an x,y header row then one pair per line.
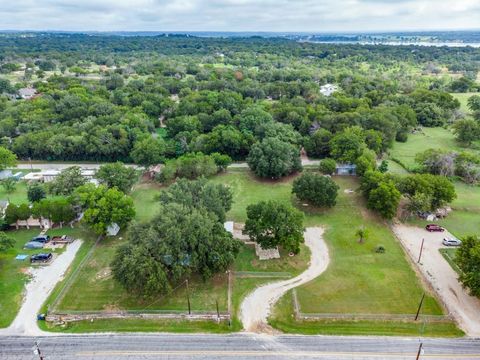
x,y
33,245
41,238
44,258
434,227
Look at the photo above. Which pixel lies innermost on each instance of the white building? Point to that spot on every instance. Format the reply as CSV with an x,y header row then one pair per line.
x,y
50,175
328,89
27,93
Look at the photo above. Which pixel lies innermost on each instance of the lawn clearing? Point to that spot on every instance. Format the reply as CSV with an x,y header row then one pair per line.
x,y
429,138
359,280
95,289
468,197
396,168
283,320
248,189
145,202
12,272
18,196
248,261
465,218
463,99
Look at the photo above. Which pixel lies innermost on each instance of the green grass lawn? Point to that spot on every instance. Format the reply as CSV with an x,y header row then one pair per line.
x,y
468,197
465,217
358,279
248,261
463,98
95,288
283,320
248,189
139,325
430,138
396,168
12,272
19,196
449,255
144,198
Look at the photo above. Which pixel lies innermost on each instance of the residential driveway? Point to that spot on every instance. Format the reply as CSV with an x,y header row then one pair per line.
x,y
37,290
464,308
256,306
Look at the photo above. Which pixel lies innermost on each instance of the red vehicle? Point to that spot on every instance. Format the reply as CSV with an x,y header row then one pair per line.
x,y
434,227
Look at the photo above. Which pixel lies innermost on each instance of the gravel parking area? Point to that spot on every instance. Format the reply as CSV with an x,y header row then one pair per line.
x,y
464,308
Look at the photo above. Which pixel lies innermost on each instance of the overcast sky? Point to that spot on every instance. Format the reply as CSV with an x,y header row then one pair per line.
x,y
240,15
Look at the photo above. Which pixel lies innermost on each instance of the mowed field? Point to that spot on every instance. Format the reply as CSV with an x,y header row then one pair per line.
x,y
465,219
429,138
94,288
357,281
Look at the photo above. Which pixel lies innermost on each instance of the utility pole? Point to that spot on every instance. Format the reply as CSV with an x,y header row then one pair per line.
x,y
419,351
218,312
421,250
36,351
188,299
419,306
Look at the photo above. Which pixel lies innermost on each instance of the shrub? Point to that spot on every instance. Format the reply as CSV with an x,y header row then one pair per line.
x,y
328,166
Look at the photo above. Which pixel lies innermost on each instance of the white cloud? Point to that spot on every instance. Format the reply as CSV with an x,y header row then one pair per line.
x,y
240,15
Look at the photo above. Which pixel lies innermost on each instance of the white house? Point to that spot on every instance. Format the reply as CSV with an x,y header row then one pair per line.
x,y
328,89
27,93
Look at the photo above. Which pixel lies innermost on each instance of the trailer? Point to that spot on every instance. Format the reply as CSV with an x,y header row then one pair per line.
x,y
64,239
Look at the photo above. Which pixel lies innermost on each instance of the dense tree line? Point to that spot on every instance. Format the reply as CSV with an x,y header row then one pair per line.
x,y
150,99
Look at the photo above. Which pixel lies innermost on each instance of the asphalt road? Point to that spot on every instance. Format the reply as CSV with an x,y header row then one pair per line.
x,y
236,346
63,165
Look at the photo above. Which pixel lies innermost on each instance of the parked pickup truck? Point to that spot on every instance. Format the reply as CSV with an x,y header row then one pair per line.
x,y
64,239
43,258
434,227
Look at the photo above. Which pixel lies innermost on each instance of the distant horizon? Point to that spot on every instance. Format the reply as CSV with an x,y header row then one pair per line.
x,y
250,32
284,16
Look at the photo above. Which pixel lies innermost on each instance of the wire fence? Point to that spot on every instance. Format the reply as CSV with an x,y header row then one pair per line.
x,y
259,274
299,315
151,311
70,279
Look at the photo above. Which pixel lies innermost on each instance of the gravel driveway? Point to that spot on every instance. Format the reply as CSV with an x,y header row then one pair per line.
x,y
256,306
464,308
37,290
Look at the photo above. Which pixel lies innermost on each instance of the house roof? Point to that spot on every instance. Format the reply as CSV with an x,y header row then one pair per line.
x,y
346,166
27,92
